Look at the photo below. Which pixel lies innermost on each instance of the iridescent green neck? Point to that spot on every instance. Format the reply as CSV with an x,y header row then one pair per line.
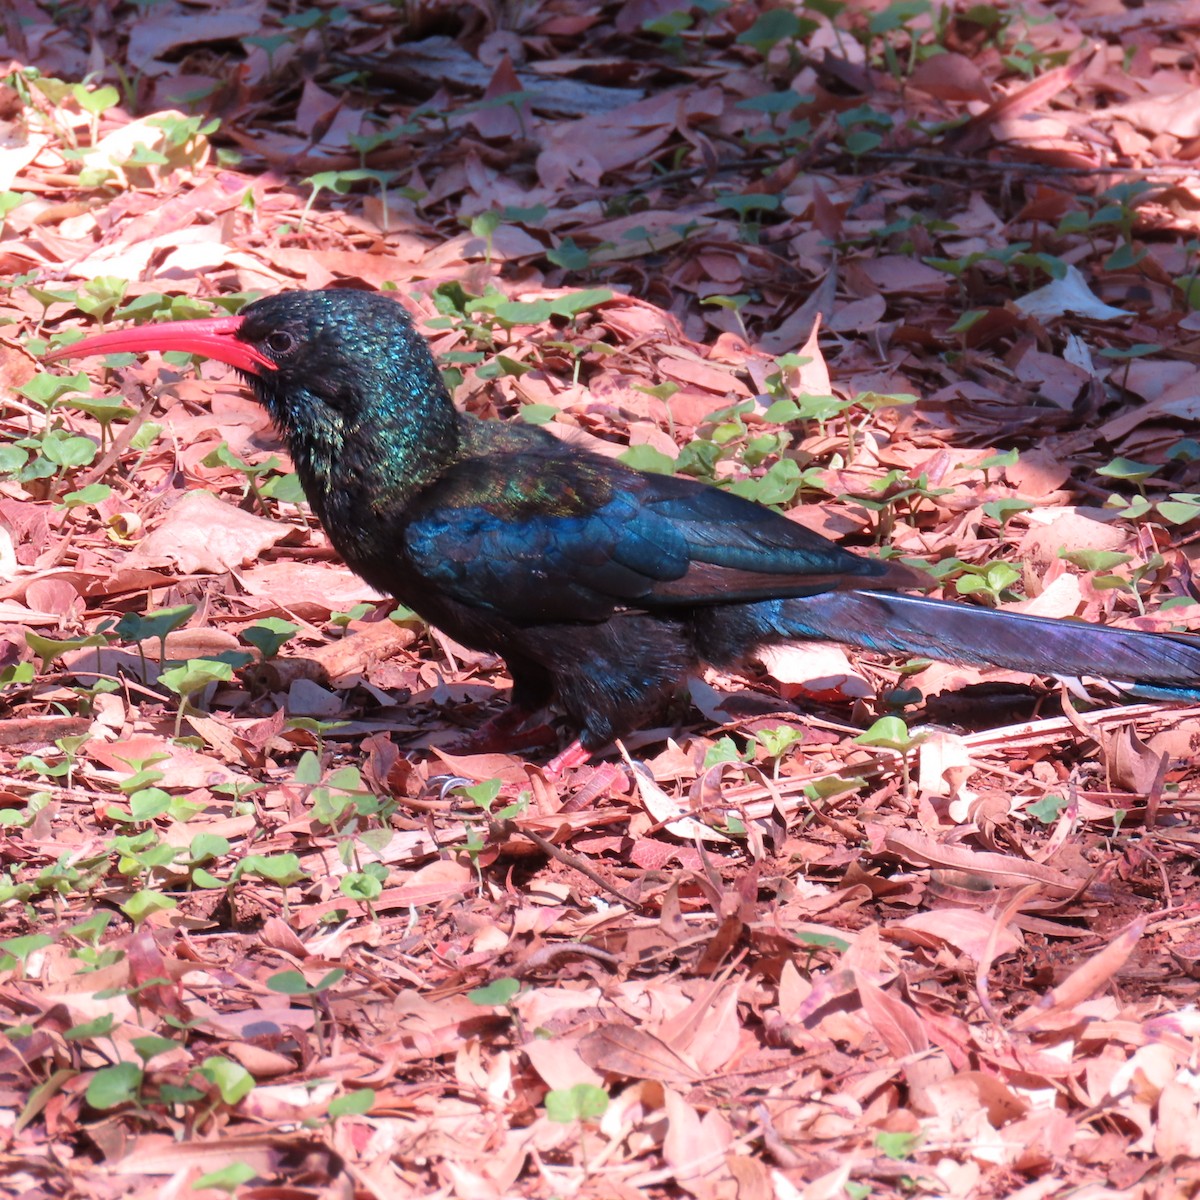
x,y
366,458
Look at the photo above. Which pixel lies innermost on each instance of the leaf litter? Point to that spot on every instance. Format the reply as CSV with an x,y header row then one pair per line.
x,y
919,277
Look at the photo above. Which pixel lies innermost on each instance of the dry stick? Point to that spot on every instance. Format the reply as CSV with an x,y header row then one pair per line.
x,y
545,955
709,169
920,160
576,864
55,789
121,443
949,160
1155,794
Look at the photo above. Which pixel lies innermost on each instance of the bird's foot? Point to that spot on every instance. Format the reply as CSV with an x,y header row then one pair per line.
x,y
573,756
508,731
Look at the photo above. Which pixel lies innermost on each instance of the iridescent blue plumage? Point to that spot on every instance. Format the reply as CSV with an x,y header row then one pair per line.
x,y
601,587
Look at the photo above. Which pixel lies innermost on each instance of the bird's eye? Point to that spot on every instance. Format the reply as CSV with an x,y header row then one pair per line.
x,y
280,342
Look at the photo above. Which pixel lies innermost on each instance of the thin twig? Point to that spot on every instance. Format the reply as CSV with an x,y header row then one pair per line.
x,y
570,860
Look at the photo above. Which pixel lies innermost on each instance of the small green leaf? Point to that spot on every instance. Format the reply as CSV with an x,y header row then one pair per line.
x,y
1009,506
22,672
773,102
497,994
286,489
144,156
752,202
889,733
150,1045
997,461
94,493
1131,510
352,1104
207,845
358,885
1140,350
647,458
898,1146
583,1102
1181,509
832,785
170,1094
268,43
136,627
113,1086
194,676
22,947
9,201
669,24
569,256
90,929
1126,468
148,803
533,215
98,1027
862,141
970,318
774,26
661,391
348,778
486,223
810,937
897,15
1095,560
723,750
230,1078
1047,809
292,983
141,905
481,794
1123,258
355,614
48,649
574,303
776,741
778,486
101,100
538,414
68,450
146,436
230,1177
283,869
269,635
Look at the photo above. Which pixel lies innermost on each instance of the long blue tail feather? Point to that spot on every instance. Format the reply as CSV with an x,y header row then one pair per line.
x,y
1149,665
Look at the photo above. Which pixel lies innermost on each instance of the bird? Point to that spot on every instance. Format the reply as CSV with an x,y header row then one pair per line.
x,y
602,587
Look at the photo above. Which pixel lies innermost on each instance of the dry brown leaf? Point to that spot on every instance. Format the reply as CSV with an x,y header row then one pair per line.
x,y
201,534
1083,982
769,1053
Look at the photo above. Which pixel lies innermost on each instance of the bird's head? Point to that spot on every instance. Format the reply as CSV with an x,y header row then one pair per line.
x,y
338,370
346,350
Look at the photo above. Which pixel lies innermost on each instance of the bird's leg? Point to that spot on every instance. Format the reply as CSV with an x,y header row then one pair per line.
x,y
573,756
520,725
509,730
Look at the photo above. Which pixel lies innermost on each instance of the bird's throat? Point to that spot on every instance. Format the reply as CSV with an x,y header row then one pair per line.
x,y
362,464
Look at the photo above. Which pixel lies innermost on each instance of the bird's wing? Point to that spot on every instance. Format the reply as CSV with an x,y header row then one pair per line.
x,y
542,537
